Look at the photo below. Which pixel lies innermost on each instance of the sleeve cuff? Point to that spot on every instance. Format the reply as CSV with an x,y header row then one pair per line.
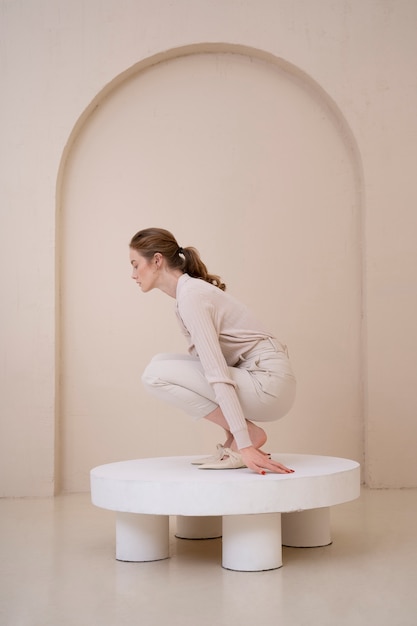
x,y
242,439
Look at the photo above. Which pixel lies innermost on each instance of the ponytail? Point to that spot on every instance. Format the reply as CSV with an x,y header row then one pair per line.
x,y
195,267
151,240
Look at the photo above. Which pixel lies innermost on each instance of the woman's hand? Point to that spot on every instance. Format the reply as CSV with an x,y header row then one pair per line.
x,y
259,462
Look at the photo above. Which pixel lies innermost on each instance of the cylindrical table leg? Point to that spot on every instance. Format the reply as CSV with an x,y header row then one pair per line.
x,y
142,537
190,527
306,529
252,543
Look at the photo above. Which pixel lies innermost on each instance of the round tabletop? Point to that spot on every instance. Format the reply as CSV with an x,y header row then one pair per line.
x,y
173,486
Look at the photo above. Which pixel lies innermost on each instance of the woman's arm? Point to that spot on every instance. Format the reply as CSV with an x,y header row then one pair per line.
x,y
199,317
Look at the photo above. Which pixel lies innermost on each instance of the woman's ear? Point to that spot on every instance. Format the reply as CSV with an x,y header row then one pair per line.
x,y
157,257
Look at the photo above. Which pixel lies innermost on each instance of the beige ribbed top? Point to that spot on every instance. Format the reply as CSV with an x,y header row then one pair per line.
x,y
219,329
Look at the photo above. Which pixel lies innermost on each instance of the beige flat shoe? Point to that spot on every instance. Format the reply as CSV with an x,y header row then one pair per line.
x,y
214,458
230,460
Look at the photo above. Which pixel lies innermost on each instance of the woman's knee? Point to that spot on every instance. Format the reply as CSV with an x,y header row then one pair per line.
x,y
150,375
158,370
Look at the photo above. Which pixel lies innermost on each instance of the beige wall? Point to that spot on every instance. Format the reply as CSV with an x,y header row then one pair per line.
x,y
222,149
353,62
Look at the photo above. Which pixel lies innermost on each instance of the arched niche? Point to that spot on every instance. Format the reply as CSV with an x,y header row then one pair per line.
x,y
245,157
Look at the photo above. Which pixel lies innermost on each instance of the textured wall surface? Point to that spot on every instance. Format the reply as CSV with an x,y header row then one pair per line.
x,y
57,58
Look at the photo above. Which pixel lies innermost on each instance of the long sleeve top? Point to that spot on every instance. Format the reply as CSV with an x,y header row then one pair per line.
x,y
219,329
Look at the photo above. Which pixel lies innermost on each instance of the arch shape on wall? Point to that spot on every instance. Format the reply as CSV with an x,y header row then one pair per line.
x,y
207,48
317,95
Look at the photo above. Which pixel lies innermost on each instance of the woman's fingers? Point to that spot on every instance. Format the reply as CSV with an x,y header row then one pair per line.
x,y
278,468
260,463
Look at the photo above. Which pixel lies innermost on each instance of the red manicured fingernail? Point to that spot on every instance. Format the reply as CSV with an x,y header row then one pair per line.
x,y
263,473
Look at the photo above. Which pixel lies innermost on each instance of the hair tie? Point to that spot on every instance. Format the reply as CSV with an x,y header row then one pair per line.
x,y
180,250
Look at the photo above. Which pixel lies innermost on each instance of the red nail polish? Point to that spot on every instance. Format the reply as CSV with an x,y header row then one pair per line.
x,y
263,473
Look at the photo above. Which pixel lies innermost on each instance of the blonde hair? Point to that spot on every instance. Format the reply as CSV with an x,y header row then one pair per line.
x,y
151,240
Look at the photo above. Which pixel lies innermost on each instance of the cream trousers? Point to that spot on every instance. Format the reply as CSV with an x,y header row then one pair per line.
x,y
265,383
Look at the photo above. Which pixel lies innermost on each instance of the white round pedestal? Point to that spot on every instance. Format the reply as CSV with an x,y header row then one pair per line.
x,y
145,492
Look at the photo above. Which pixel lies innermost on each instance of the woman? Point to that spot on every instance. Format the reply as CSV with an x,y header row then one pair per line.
x,y
235,369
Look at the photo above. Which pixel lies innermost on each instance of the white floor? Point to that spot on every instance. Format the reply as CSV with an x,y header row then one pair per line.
x,y
57,568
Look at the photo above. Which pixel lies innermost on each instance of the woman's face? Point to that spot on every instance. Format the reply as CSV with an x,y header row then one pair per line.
x,y
144,272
